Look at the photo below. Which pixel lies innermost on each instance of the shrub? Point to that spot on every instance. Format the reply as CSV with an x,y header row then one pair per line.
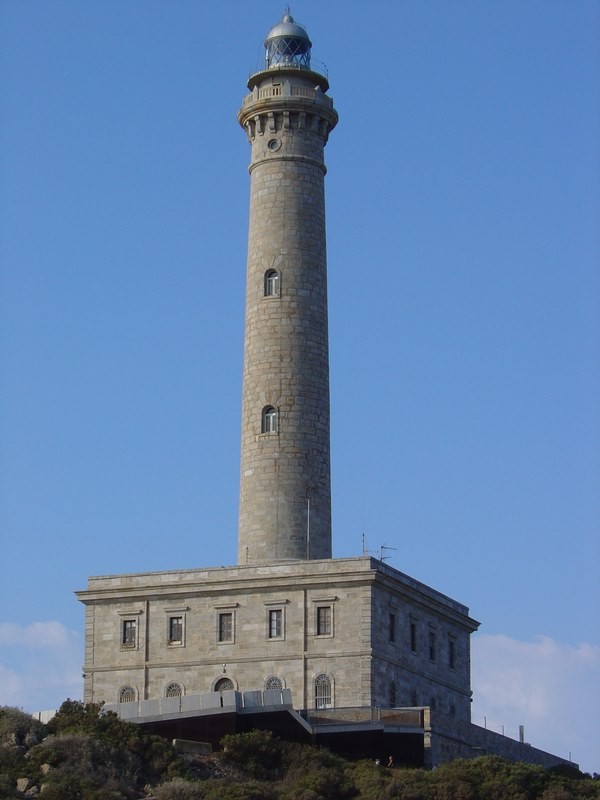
x,y
90,742
256,752
370,779
63,787
557,793
411,784
314,773
76,717
179,789
7,787
302,758
321,784
220,790
16,727
104,794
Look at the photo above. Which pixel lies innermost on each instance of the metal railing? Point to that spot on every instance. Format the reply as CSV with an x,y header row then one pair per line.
x,y
360,715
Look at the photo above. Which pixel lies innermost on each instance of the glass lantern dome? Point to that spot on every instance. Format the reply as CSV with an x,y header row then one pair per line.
x,y
288,45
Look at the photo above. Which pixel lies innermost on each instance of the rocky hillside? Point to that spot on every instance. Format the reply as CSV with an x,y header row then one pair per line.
x,y
85,754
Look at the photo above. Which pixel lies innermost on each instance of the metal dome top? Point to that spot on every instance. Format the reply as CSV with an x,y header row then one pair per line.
x,y
287,27
287,44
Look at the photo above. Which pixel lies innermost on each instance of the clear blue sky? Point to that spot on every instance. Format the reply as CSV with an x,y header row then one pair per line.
x,y
463,245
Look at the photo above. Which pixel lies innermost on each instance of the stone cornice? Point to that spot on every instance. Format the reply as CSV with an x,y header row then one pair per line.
x,y
313,574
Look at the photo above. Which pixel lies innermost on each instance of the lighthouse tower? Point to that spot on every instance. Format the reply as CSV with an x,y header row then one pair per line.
x,y
285,495
288,624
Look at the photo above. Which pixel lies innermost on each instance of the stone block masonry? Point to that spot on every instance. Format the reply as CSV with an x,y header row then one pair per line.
x,y
285,495
331,620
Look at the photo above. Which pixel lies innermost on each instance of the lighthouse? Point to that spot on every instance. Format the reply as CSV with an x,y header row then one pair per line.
x,y
288,625
285,494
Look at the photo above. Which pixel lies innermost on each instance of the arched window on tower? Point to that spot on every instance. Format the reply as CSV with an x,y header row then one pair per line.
x,y
269,420
322,692
271,283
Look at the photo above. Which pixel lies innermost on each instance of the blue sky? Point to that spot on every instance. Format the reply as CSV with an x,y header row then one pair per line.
x,y
463,246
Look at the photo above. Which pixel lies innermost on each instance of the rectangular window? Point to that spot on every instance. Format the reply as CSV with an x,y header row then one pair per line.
x,y
175,630
275,623
129,633
226,626
392,627
323,620
451,653
431,646
413,637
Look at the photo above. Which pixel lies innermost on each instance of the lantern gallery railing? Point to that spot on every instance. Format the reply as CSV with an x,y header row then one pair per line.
x,y
285,89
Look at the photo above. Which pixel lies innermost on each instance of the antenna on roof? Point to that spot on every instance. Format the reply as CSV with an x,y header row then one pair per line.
x,y
385,547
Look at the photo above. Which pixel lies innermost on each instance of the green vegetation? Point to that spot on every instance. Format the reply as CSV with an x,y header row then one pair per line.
x,y
82,754
87,754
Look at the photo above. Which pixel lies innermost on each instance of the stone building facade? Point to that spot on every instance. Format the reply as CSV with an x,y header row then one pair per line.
x,y
336,632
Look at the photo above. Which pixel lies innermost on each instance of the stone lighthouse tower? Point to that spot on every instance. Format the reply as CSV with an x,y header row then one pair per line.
x,y
285,496
288,625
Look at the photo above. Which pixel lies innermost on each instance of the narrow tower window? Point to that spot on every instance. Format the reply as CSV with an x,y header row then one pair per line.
x,y
271,283
269,420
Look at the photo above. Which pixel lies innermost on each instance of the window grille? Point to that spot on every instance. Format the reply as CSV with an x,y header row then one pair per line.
x,y
322,692
274,683
127,695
